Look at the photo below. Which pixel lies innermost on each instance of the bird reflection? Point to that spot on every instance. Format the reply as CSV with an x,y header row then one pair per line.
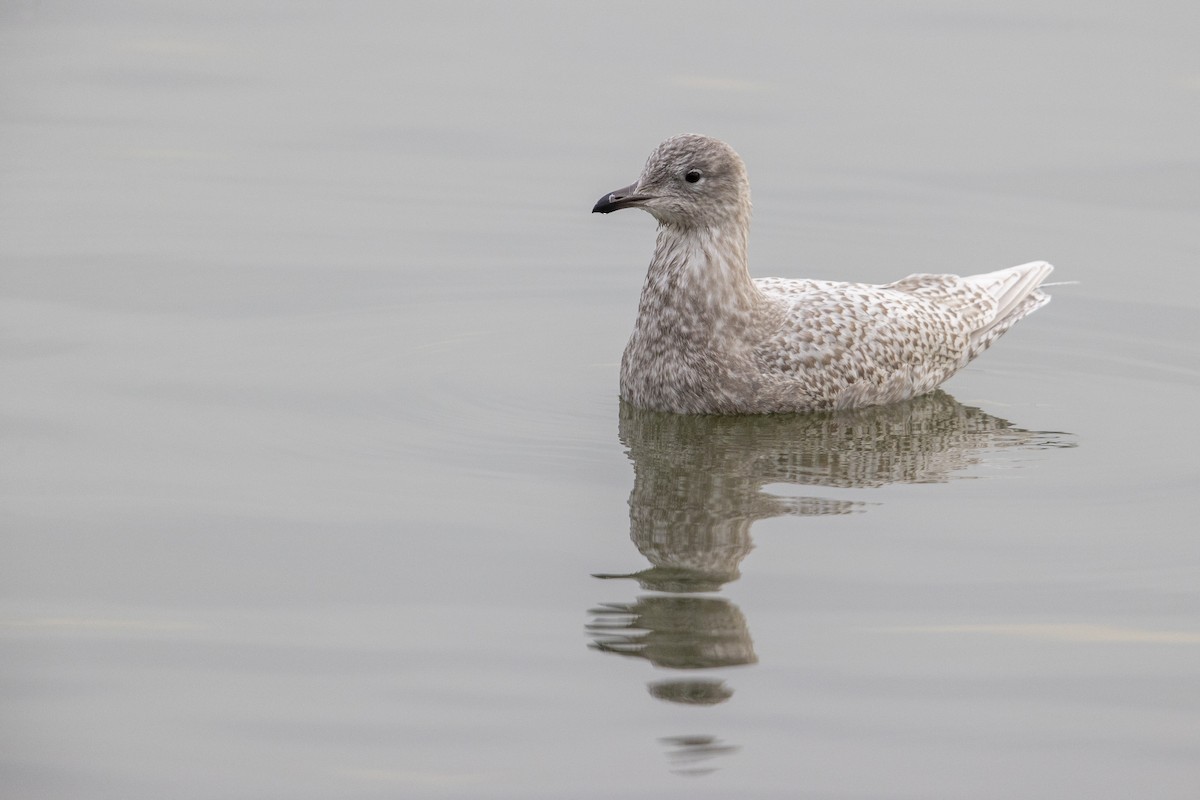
x,y
699,486
676,632
692,691
691,750
698,480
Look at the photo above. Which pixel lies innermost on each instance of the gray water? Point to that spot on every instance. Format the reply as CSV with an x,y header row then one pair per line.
x,y
316,483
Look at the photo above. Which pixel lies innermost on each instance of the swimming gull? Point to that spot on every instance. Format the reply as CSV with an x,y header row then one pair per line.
x,y
711,340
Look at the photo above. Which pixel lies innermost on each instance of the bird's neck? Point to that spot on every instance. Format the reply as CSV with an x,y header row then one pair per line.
x,y
698,288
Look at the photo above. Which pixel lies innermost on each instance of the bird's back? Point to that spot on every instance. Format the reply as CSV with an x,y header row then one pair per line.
x,y
843,345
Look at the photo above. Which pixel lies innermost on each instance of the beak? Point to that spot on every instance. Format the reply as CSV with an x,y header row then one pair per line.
x,y
621,198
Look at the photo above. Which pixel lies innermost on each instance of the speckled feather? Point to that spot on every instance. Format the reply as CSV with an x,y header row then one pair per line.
x,y
709,339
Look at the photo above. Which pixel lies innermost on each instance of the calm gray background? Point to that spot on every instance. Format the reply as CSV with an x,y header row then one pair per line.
x,y
312,453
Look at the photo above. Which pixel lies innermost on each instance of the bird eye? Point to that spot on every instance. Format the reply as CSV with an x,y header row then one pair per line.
x,y
693,176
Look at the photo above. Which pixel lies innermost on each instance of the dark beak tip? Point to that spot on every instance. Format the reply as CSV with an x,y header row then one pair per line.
x,y
614,201
604,205
607,204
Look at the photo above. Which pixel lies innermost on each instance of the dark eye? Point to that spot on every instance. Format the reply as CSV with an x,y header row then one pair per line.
x,y
692,176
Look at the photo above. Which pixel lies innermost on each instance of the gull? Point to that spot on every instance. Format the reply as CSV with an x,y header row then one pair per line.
x,y
709,339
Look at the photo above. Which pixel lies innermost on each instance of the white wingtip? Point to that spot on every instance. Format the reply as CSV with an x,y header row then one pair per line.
x,y
1010,287
1017,293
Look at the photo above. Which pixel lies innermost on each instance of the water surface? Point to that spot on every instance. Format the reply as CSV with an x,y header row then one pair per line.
x,y
316,484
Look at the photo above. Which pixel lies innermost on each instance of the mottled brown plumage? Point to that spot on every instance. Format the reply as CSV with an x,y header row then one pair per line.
x,y
711,340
